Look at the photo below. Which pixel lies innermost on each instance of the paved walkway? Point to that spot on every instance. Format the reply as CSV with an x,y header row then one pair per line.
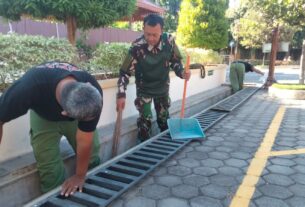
x,y
253,157
285,73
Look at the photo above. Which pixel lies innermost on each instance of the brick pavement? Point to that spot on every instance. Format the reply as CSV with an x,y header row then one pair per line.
x,y
208,173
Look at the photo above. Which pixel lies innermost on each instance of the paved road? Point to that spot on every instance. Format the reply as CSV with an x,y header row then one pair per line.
x,y
283,74
254,157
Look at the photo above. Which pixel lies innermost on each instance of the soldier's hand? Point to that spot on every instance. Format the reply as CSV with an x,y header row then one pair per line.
x,y
186,75
120,104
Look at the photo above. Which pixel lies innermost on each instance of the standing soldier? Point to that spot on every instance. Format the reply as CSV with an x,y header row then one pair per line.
x,y
150,58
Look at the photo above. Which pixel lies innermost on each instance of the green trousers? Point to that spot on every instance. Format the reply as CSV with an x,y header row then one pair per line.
x,y
237,74
45,140
143,105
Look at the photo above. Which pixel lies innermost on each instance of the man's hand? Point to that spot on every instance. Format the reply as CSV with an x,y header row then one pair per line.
x,y
120,104
72,184
186,75
258,71
84,142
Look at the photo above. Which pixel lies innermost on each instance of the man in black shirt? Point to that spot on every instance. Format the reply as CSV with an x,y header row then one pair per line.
x,y
237,73
63,101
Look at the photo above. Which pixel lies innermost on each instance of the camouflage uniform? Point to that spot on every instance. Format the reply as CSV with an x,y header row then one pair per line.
x,y
151,67
143,105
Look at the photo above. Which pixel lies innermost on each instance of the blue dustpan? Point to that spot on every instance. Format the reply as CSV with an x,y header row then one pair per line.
x,y
186,128
182,128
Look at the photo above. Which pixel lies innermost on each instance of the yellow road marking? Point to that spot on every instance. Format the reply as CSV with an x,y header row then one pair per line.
x,y
287,152
247,188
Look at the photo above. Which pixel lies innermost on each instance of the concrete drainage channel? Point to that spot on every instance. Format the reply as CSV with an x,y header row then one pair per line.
x,y
108,181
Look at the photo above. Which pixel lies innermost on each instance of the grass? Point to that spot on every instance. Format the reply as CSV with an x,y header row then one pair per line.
x,y
289,86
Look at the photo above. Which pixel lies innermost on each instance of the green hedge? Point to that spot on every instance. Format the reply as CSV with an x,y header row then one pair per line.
x,y
21,52
108,57
203,56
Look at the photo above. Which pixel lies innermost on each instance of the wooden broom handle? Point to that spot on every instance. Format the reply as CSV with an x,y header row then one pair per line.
x,y
117,133
187,67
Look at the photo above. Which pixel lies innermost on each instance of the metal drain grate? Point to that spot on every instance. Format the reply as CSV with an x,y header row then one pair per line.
x,y
230,103
209,118
105,184
110,180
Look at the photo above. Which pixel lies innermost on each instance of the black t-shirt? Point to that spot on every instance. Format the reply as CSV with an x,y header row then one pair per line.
x,y
248,66
36,90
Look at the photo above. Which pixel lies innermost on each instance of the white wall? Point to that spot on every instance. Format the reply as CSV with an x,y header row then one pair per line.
x,y
194,86
16,141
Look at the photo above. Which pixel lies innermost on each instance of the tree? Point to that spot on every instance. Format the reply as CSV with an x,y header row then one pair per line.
x,y
251,28
280,12
234,14
298,38
171,15
202,23
75,14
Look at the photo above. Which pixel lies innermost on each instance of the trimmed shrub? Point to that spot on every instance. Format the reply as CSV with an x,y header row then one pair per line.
x,y
20,52
204,56
108,57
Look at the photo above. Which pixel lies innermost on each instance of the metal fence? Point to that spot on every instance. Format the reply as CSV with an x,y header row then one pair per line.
x,y
49,29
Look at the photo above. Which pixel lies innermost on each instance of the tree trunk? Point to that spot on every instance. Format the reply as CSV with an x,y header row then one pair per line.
x,y
71,28
236,53
252,53
302,65
57,30
130,22
11,27
275,40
